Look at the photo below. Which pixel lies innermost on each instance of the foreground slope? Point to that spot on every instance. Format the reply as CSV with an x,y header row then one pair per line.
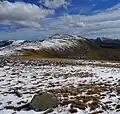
x,y
92,87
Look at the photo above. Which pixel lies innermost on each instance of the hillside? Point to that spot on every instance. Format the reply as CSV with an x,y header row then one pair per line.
x,y
66,46
77,48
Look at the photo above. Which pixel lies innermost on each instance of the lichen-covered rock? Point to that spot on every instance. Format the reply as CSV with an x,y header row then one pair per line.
x,y
44,101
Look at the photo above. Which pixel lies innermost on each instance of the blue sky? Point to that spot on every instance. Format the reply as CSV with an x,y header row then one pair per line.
x,y
34,19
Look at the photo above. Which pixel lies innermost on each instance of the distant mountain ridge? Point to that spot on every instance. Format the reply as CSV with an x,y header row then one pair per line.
x,y
66,46
5,43
101,41
106,42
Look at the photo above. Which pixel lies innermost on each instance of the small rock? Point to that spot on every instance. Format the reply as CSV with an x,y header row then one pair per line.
x,y
72,109
9,102
17,93
118,107
118,90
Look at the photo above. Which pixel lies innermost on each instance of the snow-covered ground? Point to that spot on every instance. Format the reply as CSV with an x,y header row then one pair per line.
x,y
30,77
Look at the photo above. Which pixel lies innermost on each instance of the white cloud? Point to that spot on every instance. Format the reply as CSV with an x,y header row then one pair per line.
x,y
105,23
55,3
22,13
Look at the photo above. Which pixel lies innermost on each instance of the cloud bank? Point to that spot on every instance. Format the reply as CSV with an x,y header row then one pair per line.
x,y
22,13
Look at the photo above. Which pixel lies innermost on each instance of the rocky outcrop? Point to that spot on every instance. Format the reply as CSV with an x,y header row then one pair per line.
x,y
44,101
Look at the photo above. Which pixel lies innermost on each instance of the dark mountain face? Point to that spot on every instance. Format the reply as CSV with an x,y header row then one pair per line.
x,y
106,43
5,43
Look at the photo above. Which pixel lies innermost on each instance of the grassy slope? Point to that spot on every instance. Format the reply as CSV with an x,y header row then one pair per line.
x,y
100,53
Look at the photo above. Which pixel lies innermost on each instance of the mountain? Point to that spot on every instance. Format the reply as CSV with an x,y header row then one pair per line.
x,y
65,46
106,42
5,43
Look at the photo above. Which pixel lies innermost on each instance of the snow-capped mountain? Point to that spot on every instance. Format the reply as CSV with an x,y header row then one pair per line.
x,y
56,42
10,49
65,46
61,41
